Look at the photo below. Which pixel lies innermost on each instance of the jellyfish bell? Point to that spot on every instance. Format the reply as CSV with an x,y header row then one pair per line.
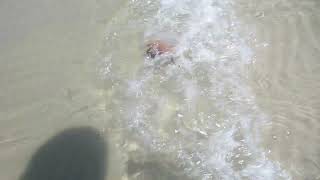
x,y
158,47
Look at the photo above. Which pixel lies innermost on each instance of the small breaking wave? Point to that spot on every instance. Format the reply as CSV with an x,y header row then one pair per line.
x,y
199,111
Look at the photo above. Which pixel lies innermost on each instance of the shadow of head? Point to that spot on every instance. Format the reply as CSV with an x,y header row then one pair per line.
x,y
74,154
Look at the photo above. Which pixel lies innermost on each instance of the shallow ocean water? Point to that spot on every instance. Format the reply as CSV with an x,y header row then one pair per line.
x,y
234,105
240,100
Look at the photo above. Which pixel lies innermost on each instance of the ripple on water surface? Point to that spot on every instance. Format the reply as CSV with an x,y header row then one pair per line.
x,y
201,113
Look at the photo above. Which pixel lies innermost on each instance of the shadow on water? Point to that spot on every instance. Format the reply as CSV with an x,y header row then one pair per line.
x,y
74,154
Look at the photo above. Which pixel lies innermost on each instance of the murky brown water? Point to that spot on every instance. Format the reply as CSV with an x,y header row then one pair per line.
x,y
240,102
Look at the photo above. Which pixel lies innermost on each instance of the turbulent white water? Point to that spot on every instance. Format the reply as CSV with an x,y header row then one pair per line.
x,y
200,111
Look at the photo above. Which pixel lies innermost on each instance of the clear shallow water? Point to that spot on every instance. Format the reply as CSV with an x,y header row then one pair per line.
x,y
235,103
240,102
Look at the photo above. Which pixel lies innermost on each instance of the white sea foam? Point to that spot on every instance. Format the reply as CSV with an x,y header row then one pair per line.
x,y
200,110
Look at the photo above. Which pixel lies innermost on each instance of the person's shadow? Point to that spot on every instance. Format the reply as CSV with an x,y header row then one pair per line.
x,y
74,154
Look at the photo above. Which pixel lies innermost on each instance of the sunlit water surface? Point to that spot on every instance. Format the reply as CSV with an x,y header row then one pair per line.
x,y
240,100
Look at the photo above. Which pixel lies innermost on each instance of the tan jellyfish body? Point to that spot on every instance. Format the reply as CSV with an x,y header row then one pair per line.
x,y
158,47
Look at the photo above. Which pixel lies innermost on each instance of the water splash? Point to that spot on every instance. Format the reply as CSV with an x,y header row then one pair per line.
x,y
199,111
